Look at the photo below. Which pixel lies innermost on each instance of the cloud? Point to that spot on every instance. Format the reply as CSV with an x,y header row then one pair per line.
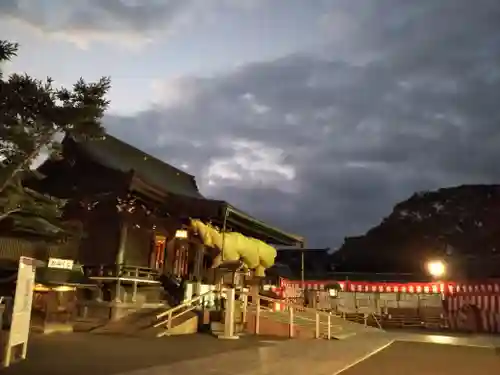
x,y
406,101
128,22
81,22
253,163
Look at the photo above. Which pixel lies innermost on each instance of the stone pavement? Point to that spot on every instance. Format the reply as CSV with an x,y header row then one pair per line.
x,y
84,354
457,339
87,354
422,358
293,357
363,354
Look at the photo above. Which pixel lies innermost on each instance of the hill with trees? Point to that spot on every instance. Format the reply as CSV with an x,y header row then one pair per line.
x,y
459,225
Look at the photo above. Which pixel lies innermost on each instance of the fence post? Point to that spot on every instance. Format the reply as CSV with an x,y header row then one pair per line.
x,y
317,325
257,315
290,314
245,307
169,321
229,313
134,285
329,325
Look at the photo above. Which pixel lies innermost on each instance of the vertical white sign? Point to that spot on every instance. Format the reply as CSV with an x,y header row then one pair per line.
x,y
21,311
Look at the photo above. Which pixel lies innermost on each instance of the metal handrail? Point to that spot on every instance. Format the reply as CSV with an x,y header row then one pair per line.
x,y
291,308
115,269
182,309
316,311
296,307
185,304
318,314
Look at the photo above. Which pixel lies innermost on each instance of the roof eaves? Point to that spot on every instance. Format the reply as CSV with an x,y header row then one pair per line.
x,y
274,232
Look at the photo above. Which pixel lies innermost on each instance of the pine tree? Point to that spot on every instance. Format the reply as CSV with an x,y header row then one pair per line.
x,y
33,115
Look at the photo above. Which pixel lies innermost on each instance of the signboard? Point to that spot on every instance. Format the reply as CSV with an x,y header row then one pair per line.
x,y
65,264
17,343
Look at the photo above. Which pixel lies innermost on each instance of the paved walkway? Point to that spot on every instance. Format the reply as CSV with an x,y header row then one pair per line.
x,y
87,354
367,354
84,354
293,357
457,339
418,358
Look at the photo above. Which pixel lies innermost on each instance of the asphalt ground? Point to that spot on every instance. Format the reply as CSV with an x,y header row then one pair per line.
x,y
87,354
414,358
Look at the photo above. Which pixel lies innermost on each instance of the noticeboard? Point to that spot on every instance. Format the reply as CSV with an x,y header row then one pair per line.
x,y
17,342
64,264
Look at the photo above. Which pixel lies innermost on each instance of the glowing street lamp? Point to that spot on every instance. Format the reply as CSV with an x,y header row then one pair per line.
x,y
436,268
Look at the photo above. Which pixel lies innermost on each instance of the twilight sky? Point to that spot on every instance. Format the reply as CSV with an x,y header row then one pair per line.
x,y
314,115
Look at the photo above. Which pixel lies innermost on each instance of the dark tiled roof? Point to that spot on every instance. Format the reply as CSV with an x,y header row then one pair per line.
x,y
118,155
215,210
182,198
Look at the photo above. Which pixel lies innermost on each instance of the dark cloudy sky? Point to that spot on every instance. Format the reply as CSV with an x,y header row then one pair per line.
x,y
316,115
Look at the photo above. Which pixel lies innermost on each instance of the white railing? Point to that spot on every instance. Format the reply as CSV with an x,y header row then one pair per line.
x,y
361,318
166,318
323,322
320,319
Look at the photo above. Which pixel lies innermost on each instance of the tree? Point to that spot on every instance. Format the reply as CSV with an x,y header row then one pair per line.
x,y
34,214
33,113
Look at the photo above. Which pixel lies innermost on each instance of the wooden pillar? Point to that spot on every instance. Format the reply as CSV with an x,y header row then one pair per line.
x,y
122,243
170,258
185,266
181,258
198,261
120,255
177,258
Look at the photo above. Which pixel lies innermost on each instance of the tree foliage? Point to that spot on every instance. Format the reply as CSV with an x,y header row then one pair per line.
x,y
33,115
28,212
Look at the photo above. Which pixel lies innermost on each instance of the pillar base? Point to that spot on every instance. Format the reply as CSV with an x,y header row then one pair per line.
x,y
226,337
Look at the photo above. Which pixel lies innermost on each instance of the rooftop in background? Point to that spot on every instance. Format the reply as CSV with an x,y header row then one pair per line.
x,y
318,267
364,276
288,263
282,250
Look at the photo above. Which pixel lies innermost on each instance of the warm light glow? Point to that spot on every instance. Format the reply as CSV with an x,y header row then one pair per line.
x,y
41,288
436,268
439,339
61,288
181,233
64,288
